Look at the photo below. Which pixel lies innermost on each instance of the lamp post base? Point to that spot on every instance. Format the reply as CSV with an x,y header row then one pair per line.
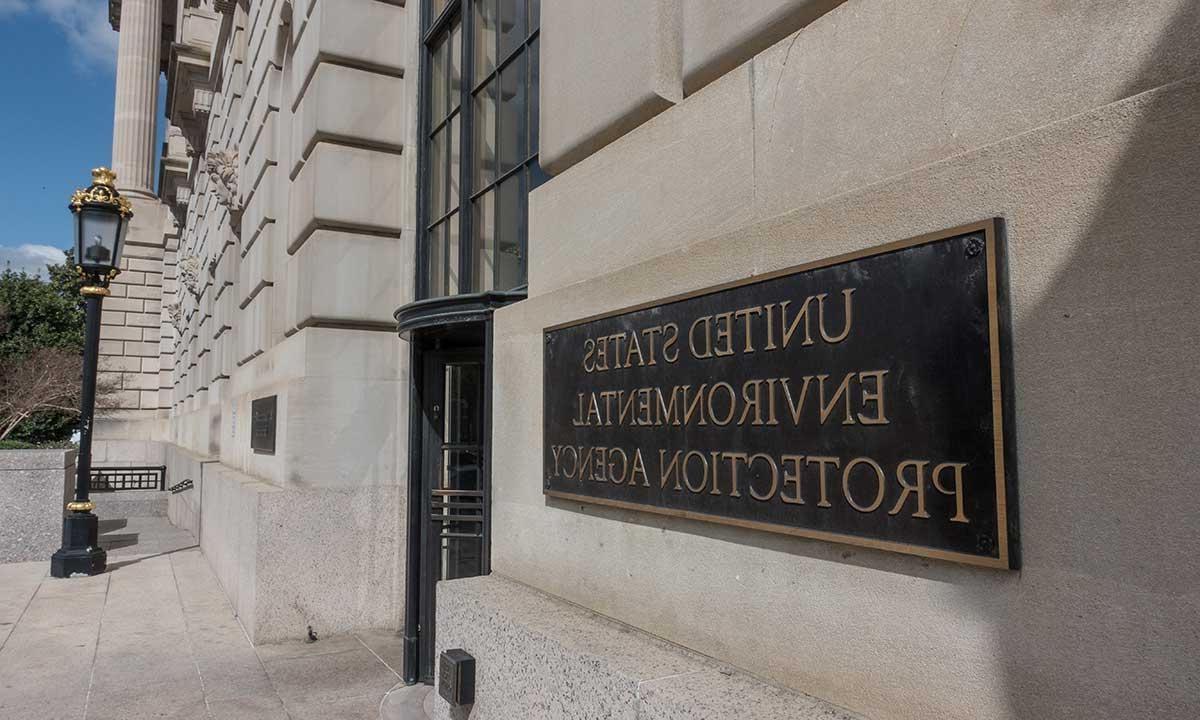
x,y
81,553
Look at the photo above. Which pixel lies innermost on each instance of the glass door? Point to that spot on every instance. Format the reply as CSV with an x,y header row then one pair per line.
x,y
454,492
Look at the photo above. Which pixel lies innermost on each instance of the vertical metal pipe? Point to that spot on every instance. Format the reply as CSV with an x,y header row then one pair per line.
x,y
81,553
87,397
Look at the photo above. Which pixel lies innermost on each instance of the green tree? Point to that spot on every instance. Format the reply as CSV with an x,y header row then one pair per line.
x,y
40,319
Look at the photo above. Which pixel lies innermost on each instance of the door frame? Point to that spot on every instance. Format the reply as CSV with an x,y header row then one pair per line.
x,y
428,350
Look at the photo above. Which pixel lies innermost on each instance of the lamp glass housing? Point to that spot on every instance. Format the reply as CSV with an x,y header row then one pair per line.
x,y
99,238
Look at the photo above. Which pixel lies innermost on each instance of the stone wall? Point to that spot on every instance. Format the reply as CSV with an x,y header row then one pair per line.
x,y
289,558
290,169
880,121
33,493
538,658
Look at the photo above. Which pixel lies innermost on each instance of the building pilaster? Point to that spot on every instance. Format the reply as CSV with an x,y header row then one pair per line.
x,y
136,105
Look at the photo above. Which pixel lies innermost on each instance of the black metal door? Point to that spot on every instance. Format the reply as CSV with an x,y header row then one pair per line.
x,y
453,493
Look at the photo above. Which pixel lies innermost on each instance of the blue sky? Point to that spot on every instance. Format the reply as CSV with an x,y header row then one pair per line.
x,y
57,62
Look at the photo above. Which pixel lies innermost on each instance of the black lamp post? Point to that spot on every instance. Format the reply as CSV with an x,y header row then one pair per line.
x,y
101,220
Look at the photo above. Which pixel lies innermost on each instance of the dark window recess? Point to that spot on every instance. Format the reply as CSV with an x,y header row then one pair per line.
x,y
479,122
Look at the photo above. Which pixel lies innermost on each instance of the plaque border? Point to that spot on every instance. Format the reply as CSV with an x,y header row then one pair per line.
x,y
999,343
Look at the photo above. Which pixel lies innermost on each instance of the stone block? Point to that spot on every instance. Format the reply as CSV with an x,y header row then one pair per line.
x,y
262,153
367,35
141,320
120,332
346,104
141,349
594,92
134,452
347,187
254,329
696,160
328,443
719,36
842,104
144,252
33,485
112,347
144,264
144,292
256,270
254,535
139,381
261,207
125,304
344,278
112,317
589,666
119,363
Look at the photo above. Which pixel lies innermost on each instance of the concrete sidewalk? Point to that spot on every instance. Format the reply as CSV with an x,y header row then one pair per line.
x,y
155,638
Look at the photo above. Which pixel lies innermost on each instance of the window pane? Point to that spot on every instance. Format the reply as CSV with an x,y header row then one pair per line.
x,y
535,14
485,39
484,244
437,175
485,136
510,233
460,471
512,26
452,255
453,171
511,139
455,61
437,84
464,390
534,99
435,263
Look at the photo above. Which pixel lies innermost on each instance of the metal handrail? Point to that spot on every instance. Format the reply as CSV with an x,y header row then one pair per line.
x,y
113,479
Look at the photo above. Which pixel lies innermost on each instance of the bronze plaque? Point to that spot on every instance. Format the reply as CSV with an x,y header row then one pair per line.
x,y
262,425
860,399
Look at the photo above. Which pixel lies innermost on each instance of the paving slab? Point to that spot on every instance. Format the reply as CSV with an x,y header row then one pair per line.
x,y
326,678
155,637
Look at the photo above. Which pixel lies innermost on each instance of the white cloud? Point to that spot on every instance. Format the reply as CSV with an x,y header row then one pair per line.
x,y
85,23
12,7
30,258
9,8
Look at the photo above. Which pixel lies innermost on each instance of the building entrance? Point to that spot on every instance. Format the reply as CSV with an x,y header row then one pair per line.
x,y
454,498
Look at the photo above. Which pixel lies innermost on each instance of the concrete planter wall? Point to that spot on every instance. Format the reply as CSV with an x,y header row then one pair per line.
x,y
33,487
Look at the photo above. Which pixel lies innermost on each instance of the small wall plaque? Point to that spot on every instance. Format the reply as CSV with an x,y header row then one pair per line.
x,y
262,425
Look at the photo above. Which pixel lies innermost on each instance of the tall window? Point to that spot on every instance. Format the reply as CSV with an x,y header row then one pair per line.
x,y
480,126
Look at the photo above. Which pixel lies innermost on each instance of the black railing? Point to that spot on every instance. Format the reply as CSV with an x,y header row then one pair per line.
x,y
129,478
181,486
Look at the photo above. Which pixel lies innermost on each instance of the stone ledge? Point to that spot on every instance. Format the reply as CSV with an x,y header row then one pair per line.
x,y
37,459
541,657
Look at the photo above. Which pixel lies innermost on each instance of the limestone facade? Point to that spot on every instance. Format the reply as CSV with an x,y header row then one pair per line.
x,y
879,121
271,266
692,143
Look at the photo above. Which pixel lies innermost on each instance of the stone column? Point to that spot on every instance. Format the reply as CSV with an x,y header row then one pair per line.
x,y
137,95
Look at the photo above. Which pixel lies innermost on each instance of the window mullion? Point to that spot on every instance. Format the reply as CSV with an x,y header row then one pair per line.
x,y
466,113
